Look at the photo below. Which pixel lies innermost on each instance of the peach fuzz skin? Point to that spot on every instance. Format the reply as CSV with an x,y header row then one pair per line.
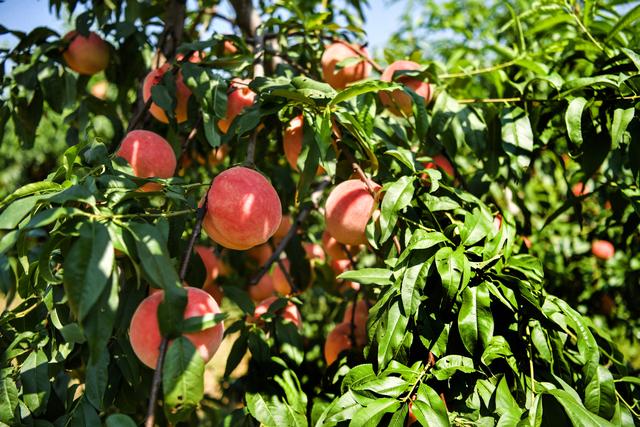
x,y
347,211
338,340
290,312
398,101
239,96
335,53
86,55
243,209
144,331
602,249
149,155
182,95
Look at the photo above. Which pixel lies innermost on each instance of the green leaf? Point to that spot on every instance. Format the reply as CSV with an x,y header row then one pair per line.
x,y
119,420
182,379
421,240
621,119
447,366
413,282
84,415
517,135
152,251
8,400
34,373
97,378
396,197
451,266
371,415
429,409
624,22
578,414
368,276
16,211
600,394
200,323
98,327
342,408
361,88
574,118
475,320
390,334
87,267
476,227
271,412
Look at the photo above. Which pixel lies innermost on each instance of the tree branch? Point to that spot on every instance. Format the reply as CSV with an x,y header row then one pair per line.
x,y
302,215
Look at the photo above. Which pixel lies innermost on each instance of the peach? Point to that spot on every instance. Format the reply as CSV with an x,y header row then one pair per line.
x,y
99,90
217,155
182,94
144,331
314,251
263,289
602,249
215,291
292,141
338,340
280,282
289,313
398,101
339,266
214,265
411,418
442,163
283,228
579,189
86,55
334,249
359,320
334,54
229,48
239,96
260,254
348,209
149,155
243,209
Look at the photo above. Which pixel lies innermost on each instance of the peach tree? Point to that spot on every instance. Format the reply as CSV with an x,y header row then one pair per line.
x,y
443,233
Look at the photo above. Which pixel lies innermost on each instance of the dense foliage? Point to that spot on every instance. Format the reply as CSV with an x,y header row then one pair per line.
x,y
486,304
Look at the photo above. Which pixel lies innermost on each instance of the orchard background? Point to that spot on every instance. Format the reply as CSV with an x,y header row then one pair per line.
x,y
493,257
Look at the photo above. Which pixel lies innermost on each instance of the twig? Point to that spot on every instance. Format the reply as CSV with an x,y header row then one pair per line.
x,y
396,243
251,149
302,215
157,375
285,271
155,385
185,144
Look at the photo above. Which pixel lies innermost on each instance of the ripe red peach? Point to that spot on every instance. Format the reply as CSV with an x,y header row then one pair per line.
x,y
239,96
263,289
359,320
144,331
602,249
398,101
149,155
334,249
243,209
182,94
336,53
338,340
292,141
86,55
290,312
280,282
314,251
348,209
339,266
260,254
229,48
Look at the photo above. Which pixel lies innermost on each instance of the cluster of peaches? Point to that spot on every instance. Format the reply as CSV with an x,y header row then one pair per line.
x,y
243,209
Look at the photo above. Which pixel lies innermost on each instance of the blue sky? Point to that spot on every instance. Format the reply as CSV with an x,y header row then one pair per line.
x,y
25,15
